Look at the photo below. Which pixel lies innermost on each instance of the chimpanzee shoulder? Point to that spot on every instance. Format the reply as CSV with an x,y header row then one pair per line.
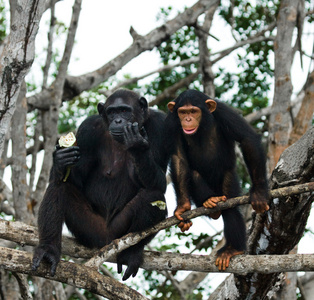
x,y
90,132
232,123
155,121
155,128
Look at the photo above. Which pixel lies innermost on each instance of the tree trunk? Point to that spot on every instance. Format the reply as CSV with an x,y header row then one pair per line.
x,y
17,58
280,119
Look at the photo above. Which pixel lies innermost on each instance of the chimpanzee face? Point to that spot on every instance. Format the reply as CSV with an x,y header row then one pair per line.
x,y
123,108
119,114
190,116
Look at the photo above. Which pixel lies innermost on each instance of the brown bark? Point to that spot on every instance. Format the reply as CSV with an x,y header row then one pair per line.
x,y
70,273
304,117
204,53
17,58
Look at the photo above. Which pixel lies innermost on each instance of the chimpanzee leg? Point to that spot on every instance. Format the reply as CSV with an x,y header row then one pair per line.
x,y
89,228
234,226
202,193
50,221
145,210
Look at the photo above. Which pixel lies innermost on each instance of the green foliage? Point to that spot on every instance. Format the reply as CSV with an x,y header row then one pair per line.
x,y
248,18
3,21
75,111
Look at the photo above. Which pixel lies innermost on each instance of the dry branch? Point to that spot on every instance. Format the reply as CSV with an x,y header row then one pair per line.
x,y
133,238
75,85
240,264
70,273
27,235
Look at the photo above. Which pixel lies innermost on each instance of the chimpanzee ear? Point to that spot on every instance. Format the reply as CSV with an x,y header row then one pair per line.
x,y
143,104
101,108
211,104
171,106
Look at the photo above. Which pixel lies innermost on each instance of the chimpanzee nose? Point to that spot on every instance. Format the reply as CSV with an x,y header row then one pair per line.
x,y
118,121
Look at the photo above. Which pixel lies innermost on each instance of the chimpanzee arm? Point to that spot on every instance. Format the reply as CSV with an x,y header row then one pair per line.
x,y
50,221
149,172
180,177
234,126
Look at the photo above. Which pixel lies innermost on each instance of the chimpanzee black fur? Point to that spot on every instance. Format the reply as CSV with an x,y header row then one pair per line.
x,y
116,184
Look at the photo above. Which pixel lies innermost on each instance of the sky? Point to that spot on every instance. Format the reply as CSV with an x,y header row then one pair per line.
x,y
103,33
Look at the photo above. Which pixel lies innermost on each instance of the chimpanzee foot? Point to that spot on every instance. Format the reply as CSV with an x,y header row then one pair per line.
x,y
212,201
223,258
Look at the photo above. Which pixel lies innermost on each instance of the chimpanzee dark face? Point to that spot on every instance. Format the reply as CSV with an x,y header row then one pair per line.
x,y
118,115
122,108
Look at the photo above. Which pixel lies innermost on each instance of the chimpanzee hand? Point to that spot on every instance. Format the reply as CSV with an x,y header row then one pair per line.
x,y
50,253
133,138
184,225
259,199
132,257
65,157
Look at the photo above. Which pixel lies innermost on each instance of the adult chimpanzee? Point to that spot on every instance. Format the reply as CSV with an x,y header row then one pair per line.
x,y
202,133
116,184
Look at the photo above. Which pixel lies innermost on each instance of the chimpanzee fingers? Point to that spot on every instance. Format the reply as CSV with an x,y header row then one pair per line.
x,y
41,254
130,138
219,263
131,270
72,151
144,133
177,214
135,130
119,268
226,263
222,263
67,156
53,263
260,206
185,226
37,258
209,203
212,201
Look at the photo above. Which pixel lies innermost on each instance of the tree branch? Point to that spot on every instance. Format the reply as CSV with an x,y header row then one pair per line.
x,y
240,264
27,235
75,85
131,239
86,278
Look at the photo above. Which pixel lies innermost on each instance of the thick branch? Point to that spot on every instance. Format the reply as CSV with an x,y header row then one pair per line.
x,y
86,278
240,264
27,235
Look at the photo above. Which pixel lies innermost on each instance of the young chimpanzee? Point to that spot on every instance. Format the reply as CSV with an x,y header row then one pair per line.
x,y
116,183
202,133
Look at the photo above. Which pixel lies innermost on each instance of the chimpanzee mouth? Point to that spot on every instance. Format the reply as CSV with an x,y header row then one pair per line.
x,y
190,131
117,136
116,133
